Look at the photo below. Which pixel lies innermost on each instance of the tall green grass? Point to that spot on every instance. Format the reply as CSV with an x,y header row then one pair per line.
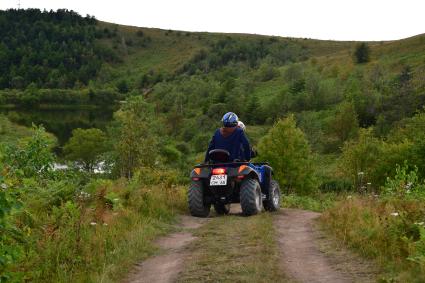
x,y
96,236
388,231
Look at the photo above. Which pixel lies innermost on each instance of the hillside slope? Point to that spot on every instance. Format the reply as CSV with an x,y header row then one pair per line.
x,y
191,79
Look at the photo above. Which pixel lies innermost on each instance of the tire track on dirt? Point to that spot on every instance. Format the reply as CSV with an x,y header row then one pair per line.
x,y
165,267
304,261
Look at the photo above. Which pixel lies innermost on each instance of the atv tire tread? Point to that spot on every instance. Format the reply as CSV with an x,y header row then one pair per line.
x,y
268,203
250,188
197,206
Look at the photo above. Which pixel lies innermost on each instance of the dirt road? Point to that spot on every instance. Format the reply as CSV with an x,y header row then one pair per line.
x,y
308,256
304,253
165,267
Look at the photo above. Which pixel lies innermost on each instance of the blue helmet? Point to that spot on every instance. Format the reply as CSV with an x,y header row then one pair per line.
x,y
230,119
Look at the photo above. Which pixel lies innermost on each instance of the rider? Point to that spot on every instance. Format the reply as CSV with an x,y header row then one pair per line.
x,y
231,138
243,127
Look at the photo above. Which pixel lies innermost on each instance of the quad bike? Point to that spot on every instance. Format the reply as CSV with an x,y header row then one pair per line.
x,y
222,182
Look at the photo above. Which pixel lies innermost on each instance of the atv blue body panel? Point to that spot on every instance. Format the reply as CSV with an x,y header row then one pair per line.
x,y
261,171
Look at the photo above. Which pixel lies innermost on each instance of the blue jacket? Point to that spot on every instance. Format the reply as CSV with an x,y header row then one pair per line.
x,y
236,144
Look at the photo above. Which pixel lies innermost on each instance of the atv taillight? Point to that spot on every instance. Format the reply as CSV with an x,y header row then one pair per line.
x,y
241,168
219,171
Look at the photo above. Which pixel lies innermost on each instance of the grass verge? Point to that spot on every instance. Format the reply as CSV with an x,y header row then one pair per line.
x,y
235,249
97,239
390,231
317,202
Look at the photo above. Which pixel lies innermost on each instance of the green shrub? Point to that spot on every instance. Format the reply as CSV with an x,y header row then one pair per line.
x,y
183,147
32,156
10,236
371,160
286,148
404,184
86,147
171,154
200,142
362,53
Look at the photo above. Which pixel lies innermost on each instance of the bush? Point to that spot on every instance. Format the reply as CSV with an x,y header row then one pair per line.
x,y
371,160
171,154
266,73
183,147
286,148
32,156
122,86
362,53
404,184
10,236
200,142
86,147
344,125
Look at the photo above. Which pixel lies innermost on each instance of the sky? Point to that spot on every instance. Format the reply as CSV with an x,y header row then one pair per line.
x,y
361,20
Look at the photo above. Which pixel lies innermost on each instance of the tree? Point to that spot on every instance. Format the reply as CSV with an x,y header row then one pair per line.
x,y
345,124
86,147
253,111
362,53
134,137
286,148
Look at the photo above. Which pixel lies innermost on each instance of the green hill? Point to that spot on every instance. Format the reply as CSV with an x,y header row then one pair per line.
x,y
191,79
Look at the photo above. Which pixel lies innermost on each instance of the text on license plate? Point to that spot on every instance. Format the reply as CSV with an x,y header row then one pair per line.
x,y
218,180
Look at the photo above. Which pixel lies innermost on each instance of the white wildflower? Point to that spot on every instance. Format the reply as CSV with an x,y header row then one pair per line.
x,y
394,214
4,186
93,223
83,195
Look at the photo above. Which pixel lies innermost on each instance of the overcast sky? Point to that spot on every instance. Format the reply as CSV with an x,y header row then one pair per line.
x,y
321,19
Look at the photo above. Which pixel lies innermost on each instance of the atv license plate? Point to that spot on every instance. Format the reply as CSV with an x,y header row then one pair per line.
x,y
218,180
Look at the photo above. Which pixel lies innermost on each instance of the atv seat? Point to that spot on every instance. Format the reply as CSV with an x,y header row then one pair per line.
x,y
219,156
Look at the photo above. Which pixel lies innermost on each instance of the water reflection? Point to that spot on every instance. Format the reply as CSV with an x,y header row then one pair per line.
x,y
61,122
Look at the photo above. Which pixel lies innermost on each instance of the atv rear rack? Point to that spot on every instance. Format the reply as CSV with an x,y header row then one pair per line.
x,y
230,163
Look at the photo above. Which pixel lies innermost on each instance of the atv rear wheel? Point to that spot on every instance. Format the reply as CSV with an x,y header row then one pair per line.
x,y
222,209
197,204
251,198
272,203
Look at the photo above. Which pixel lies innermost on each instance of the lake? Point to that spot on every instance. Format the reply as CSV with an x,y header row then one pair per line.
x,y
61,122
